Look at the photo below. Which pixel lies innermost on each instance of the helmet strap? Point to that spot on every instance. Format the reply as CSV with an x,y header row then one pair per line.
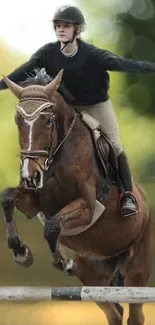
x,y
70,41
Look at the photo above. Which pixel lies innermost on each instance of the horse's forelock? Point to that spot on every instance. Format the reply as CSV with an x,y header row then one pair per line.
x,y
41,78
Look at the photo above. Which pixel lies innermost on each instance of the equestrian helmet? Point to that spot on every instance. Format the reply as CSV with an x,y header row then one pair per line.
x,y
69,14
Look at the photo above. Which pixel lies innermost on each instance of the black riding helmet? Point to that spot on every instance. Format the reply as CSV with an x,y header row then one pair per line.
x,y
69,14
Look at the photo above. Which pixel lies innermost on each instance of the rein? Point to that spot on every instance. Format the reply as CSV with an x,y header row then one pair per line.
x,y
51,157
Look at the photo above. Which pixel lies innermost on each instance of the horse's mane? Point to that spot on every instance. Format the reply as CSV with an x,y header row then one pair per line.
x,y
40,77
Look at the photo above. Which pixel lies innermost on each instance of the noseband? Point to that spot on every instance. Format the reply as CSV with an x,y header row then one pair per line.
x,y
36,154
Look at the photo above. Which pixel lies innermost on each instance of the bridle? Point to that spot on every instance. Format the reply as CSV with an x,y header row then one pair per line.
x,y
49,154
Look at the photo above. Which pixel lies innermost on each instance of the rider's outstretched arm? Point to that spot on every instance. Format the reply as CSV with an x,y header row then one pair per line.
x,y
112,62
21,73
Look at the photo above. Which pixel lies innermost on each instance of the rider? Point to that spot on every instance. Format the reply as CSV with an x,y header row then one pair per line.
x,y
86,78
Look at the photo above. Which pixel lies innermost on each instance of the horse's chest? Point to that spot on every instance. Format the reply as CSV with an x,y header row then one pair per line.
x,y
53,199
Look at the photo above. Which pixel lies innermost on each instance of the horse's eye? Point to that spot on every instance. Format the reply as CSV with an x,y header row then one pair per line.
x,y
49,121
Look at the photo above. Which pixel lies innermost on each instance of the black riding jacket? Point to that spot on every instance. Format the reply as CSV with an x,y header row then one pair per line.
x,y
85,74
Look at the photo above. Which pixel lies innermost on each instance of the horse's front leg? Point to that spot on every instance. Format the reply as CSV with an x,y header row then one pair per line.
x,y
76,213
21,252
60,259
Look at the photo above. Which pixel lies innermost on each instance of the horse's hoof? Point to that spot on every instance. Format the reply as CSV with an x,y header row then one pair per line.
x,y
15,243
58,265
70,268
25,259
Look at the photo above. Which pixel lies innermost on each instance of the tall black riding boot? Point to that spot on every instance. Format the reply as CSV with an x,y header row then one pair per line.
x,y
128,203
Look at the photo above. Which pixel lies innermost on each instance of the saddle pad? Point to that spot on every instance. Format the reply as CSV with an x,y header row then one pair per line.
x,y
99,209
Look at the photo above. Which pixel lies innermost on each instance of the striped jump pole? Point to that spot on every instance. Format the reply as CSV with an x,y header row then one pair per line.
x,y
96,294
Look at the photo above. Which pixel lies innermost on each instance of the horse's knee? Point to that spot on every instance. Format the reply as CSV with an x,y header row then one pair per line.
x,y
8,197
51,226
51,233
47,231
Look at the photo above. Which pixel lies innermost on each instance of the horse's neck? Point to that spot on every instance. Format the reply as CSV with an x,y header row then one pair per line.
x,y
77,143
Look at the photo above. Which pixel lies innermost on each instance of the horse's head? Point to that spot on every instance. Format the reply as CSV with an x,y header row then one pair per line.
x,y
36,118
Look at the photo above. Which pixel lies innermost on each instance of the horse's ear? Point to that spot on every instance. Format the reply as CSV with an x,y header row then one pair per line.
x,y
54,84
58,78
16,89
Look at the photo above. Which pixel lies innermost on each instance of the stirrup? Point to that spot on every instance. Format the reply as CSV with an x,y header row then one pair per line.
x,y
130,194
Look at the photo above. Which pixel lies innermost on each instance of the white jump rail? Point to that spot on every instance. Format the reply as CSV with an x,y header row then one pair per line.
x,y
96,294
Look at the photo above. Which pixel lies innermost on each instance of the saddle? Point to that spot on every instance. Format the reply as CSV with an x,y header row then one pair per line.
x,y
105,156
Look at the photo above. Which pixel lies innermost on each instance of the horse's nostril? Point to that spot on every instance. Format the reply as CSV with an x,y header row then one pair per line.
x,y
26,182
36,178
33,181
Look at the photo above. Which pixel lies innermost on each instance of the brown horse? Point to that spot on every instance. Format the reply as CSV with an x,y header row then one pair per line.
x,y
60,178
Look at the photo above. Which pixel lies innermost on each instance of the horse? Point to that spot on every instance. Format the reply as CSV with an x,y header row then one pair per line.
x,y
60,178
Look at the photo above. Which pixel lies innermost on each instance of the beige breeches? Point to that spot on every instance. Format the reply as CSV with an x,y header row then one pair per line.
x,y
104,113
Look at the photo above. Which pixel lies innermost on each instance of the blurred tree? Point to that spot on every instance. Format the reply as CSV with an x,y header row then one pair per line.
x,y
137,40
9,147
